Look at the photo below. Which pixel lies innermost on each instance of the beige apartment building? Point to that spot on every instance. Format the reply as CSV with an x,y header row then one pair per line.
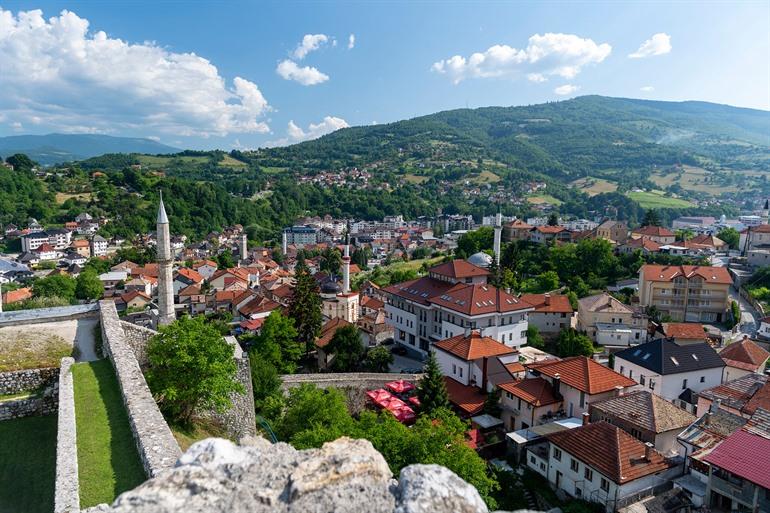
x,y
689,293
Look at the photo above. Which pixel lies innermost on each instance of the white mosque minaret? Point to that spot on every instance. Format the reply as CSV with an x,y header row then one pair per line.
x,y
166,314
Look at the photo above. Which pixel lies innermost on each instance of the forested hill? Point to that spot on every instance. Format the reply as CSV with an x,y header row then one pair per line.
x,y
572,138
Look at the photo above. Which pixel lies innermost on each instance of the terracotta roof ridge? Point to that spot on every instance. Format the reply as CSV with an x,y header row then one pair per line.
x,y
618,455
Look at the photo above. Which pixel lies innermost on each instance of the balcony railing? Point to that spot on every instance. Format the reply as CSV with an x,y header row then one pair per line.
x,y
743,492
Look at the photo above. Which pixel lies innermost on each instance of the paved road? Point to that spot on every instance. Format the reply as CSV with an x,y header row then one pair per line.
x,y
749,316
404,362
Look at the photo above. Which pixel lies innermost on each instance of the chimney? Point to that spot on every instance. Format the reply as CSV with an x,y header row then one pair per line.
x,y
547,299
715,406
707,420
648,448
556,383
618,391
586,418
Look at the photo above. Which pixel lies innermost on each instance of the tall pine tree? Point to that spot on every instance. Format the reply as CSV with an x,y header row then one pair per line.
x,y
432,390
305,307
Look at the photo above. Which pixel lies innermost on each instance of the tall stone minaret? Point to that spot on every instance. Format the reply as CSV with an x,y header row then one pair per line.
x,y
244,247
284,242
498,236
165,260
346,264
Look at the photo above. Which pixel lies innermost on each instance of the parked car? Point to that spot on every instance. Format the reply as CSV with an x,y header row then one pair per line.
x,y
412,370
398,349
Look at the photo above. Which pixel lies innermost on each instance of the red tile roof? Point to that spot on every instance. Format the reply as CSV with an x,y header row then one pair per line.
x,y
468,399
643,243
476,299
472,347
372,303
584,374
550,229
610,450
745,354
190,290
548,303
252,324
653,231
666,273
190,274
201,263
14,296
684,330
458,269
130,296
329,329
535,391
744,454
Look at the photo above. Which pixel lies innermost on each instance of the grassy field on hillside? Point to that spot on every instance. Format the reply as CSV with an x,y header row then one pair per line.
x,y
691,178
593,186
539,199
416,179
485,177
108,463
658,200
228,161
28,464
61,197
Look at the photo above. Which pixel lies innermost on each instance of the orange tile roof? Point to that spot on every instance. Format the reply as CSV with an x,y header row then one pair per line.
x,y
610,450
473,346
190,290
329,329
14,296
584,374
514,367
666,273
129,296
371,302
643,243
548,303
458,269
476,299
745,354
80,243
686,330
653,231
550,229
201,263
535,391
190,274
468,399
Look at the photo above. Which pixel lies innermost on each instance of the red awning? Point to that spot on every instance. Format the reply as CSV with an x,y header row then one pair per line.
x,y
404,415
414,400
380,397
401,386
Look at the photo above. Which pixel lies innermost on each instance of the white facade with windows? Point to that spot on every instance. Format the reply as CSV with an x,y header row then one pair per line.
x,y
669,386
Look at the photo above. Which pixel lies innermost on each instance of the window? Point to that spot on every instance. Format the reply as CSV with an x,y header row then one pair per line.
x,y
642,380
588,474
605,485
531,459
703,379
573,465
454,369
582,399
621,369
557,454
684,384
631,374
461,372
652,384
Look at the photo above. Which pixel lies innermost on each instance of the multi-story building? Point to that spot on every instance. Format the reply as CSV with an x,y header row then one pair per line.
x,y
654,233
301,235
98,245
688,293
452,298
33,240
742,358
516,230
613,231
552,313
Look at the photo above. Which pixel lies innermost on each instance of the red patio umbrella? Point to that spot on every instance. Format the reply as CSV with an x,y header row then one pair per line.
x,y
400,386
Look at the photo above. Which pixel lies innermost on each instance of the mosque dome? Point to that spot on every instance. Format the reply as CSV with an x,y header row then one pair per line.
x,y
480,259
330,287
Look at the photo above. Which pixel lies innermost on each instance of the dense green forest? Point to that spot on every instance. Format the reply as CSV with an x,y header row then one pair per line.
x,y
461,161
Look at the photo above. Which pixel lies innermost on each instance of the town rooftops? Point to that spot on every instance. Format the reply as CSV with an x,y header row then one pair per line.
x,y
611,451
653,231
548,303
534,391
746,355
329,329
667,273
643,243
684,330
583,373
745,455
664,356
712,428
458,269
547,229
470,400
190,274
646,410
473,346
744,394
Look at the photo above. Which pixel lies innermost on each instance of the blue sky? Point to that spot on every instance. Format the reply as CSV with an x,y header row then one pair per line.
x,y
126,68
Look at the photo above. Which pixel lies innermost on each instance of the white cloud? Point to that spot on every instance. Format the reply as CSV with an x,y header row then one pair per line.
x,y
306,75
310,43
549,54
566,89
351,41
295,133
659,44
69,79
536,77
647,89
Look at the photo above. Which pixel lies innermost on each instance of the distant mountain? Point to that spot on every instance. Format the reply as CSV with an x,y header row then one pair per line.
x,y
56,148
586,135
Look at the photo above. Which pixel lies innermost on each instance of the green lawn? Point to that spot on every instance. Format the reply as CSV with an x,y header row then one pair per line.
x,y
201,429
657,200
108,463
27,464
544,198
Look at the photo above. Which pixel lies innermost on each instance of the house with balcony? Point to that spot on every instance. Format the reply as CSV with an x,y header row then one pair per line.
x,y
529,402
688,293
452,298
738,478
552,313
609,322
601,463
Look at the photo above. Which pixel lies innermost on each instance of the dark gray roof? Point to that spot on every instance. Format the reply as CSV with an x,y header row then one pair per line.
x,y
664,356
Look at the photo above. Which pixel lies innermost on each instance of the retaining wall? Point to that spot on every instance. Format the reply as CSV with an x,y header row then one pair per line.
x,y
155,444
352,384
67,488
138,338
240,420
14,382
